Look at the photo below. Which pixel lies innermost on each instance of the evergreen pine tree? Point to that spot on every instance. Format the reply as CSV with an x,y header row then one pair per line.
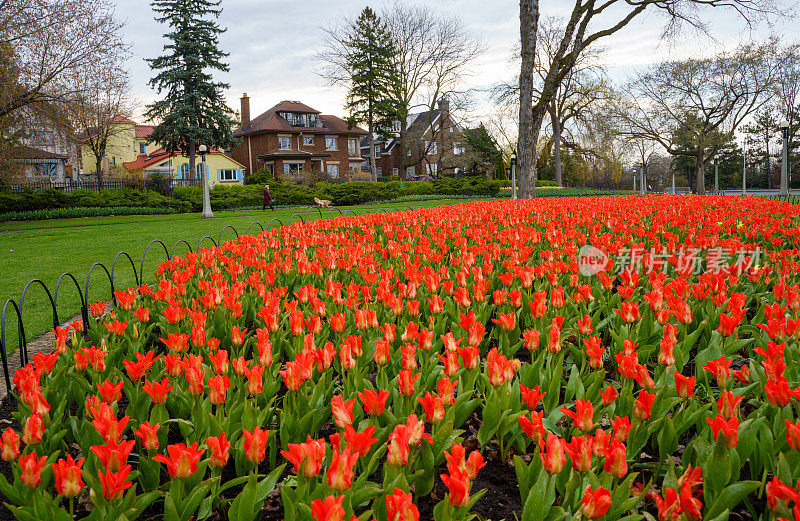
x,y
369,50
193,111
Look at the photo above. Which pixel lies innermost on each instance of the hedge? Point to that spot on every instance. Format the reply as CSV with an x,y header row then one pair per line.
x,y
66,213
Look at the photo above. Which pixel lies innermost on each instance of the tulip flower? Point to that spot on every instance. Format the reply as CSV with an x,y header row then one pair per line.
x,y
148,434
531,339
622,427
552,453
219,362
308,457
534,426
580,451
434,408
684,385
67,473
531,397
608,395
182,460
157,390
728,404
342,411
458,485
405,382
397,451
218,389
792,434
415,430
595,502
255,443
255,380
719,369
582,416
34,429
507,321
359,442
643,405
10,445
400,507
729,428
595,351
616,459
115,483
340,472
328,509
469,356
32,467
113,456
374,402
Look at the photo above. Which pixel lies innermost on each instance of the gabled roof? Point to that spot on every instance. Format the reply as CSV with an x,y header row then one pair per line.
x,y
123,119
270,121
157,156
143,131
24,153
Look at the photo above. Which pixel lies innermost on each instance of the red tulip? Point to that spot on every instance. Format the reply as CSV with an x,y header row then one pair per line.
x,y
397,451
792,434
608,395
329,509
434,408
114,483
32,469
10,445
255,443
219,362
684,385
531,397
157,390
359,442
255,380
113,456
34,430
595,503
582,416
218,389
219,446
729,429
342,411
148,434
534,426
312,453
580,451
458,485
340,472
405,382
552,453
622,427
616,459
643,405
374,402
400,507
67,474
719,369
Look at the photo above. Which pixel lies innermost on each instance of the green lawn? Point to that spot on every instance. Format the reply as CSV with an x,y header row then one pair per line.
x,y
46,249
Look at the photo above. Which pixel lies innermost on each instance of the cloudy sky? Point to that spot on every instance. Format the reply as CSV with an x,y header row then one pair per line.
x,y
272,44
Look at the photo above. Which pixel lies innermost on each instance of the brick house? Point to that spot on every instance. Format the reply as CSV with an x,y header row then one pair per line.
x,y
436,146
292,137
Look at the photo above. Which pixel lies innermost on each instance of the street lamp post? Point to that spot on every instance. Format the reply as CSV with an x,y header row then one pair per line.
x,y
673,183
206,196
642,181
716,174
785,158
744,168
633,171
513,175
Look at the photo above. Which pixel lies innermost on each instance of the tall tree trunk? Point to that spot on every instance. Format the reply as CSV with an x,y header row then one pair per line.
x,y
766,163
556,143
192,169
99,169
700,174
528,135
372,158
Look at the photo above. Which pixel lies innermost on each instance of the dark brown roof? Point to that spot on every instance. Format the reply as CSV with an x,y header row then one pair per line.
x,y
34,153
270,121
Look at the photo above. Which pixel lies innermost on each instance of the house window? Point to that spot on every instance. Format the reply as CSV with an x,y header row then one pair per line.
x,y
378,171
141,148
184,171
395,172
292,168
410,172
198,168
377,150
113,161
409,152
333,170
396,126
355,167
228,174
431,147
308,140
352,147
457,148
330,143
431,169
284,142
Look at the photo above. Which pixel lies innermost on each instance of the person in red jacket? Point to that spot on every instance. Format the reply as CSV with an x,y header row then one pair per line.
x,y
267,199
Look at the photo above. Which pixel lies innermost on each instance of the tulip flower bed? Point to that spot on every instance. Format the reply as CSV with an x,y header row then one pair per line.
x,y
395,367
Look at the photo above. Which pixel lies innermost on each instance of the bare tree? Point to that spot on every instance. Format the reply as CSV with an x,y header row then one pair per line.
x,y
432,57
53,43
693,107
587,24
787,87
96,111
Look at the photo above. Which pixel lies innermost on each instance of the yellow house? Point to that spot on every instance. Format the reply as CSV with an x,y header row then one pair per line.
x,y
220,169
126,142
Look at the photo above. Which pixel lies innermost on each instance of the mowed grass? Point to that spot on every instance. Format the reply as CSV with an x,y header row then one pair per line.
x,y
45,249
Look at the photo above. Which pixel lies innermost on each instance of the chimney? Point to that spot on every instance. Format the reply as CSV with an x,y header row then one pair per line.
x,y
444,108
245,109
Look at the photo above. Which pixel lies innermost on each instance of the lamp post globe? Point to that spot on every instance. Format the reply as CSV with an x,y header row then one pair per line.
x,y
203,149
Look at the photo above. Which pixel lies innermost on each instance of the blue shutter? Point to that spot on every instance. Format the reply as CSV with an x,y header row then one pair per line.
x,y
218,178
